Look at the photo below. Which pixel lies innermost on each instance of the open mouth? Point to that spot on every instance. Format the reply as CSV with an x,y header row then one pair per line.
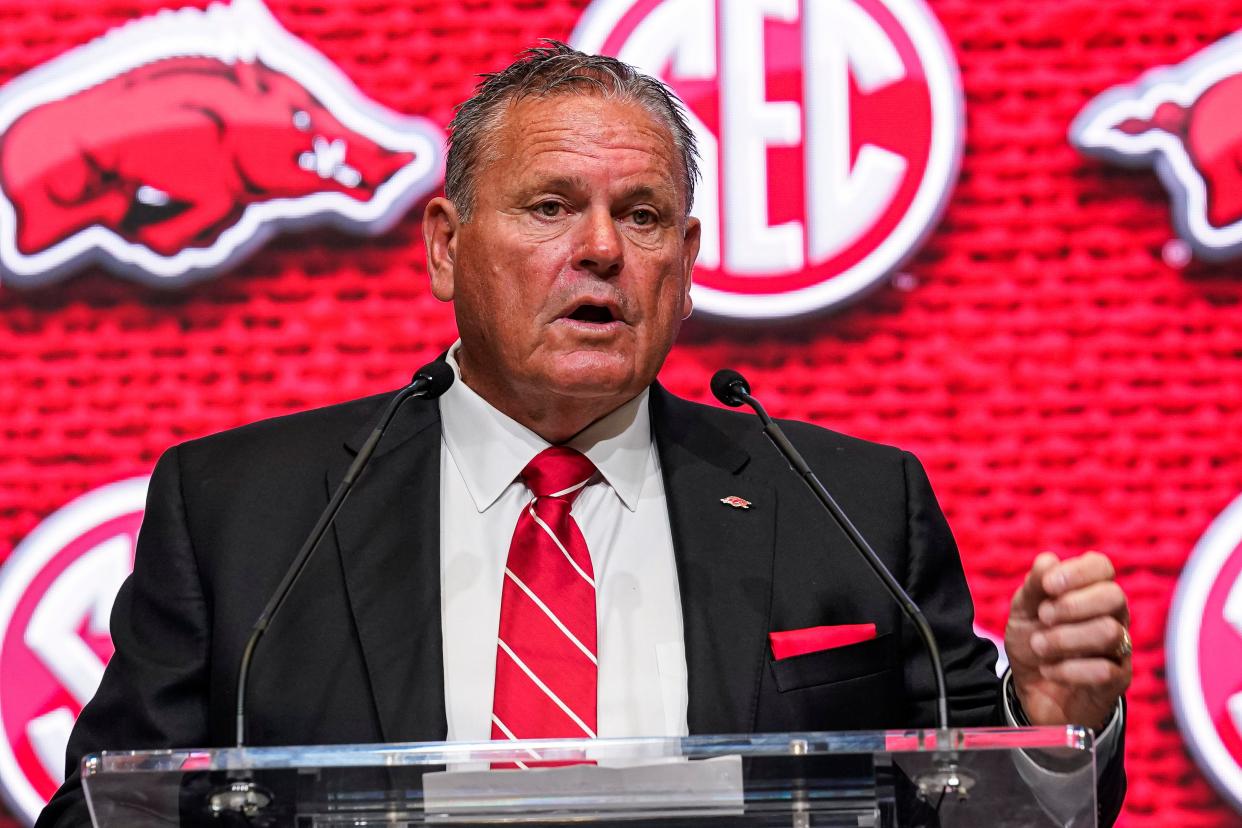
x,y
595,314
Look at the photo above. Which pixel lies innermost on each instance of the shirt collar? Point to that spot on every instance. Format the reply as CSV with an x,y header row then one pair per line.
x,y
491,449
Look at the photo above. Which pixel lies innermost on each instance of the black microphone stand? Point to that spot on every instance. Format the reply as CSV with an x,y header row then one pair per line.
x,y
244,796
732,389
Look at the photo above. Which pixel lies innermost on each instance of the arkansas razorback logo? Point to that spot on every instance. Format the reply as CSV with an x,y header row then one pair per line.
x,y
172,147
1183,120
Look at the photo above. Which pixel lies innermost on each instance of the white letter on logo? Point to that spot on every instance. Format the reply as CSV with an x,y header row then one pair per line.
x,y
682,33
88,586
839,37
749,125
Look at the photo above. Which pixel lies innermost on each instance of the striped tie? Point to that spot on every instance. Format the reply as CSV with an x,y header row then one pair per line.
x,y
546,665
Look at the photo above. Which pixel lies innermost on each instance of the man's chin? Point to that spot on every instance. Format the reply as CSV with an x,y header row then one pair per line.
x,y
595,374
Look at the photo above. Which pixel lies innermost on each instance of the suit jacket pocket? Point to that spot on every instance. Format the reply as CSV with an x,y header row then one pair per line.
x,y
837,664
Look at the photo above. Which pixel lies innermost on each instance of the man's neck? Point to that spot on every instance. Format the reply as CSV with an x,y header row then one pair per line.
x,y
553,417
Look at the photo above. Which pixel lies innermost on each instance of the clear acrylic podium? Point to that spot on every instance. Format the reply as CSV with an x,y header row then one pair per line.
x,y
961,777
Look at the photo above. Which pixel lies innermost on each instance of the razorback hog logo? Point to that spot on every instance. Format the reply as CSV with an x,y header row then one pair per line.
x,y
1203,639
56,594
1184,121
172,147
830,136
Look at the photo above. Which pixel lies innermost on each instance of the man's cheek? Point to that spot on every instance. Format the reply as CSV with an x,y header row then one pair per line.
x,y
647,240
529,234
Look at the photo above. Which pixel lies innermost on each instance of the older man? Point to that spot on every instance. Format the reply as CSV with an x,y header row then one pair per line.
x,y
550,549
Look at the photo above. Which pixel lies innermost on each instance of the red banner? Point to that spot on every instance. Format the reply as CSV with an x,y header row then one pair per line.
x,y
1036,311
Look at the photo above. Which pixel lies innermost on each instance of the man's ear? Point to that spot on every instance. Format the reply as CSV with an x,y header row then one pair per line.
x,y
440,227
690,252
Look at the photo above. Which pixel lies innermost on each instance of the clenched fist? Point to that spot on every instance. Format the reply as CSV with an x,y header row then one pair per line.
x,y
1067,641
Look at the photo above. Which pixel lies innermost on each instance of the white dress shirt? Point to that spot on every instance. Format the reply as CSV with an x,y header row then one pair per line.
x,y
623,517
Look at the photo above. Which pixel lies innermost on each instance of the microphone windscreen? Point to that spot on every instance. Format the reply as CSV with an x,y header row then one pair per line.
x,y
723,386
437,375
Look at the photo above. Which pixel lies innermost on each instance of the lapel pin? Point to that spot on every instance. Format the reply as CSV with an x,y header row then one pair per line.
x,y
736,502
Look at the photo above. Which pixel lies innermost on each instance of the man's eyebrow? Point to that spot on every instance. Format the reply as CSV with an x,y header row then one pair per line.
x,y
559,183
572,183
643,192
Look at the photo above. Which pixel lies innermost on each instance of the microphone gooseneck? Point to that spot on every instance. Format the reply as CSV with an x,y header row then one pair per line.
x,y
732,389
429,382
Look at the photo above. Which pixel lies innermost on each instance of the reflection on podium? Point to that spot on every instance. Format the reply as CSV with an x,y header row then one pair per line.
x,y
965,778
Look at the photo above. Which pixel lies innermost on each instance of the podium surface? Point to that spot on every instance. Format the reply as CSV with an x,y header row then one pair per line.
x,y
960,777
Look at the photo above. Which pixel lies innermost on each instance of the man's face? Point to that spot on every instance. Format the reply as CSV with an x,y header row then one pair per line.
x,y
572,276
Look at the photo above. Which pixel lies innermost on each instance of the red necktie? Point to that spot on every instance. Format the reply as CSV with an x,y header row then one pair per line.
x,y
546,657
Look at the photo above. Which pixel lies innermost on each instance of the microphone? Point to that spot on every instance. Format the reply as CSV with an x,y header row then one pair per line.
x,y
429,382
732,389
728,386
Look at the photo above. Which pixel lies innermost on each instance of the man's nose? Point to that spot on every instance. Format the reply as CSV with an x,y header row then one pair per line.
x,y
601,244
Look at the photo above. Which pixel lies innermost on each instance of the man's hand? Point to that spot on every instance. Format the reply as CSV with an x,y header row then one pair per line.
x,y
1067,642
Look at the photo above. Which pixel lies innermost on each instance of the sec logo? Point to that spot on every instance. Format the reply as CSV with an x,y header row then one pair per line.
x,y
1204,637
56,593
830,134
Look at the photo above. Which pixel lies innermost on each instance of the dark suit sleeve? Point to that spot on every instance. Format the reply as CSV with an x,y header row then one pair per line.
x,y
936,582
153,692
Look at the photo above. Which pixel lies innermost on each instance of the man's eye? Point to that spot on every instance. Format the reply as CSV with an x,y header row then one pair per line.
x,y
548,209
643,217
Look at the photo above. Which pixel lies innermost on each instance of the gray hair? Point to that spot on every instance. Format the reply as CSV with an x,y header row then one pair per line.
x,y
553,69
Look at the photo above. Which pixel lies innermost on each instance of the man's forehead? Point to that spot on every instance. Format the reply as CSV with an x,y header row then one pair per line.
x,y
539,136
567,116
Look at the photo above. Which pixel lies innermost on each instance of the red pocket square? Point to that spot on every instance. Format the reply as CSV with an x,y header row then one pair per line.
x,y
813,639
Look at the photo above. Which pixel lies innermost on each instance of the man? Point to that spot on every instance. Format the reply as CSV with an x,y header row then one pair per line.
x,y
553,548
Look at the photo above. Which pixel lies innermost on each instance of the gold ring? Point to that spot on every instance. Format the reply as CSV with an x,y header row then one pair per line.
x,y
1127,646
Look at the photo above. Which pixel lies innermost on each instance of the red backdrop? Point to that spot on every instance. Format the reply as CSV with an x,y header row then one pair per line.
x,y
1066,388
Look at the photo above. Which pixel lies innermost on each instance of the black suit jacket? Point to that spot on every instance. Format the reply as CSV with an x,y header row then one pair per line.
x,y
355,655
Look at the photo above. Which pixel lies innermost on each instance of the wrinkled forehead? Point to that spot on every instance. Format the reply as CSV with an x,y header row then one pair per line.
x,y
581,120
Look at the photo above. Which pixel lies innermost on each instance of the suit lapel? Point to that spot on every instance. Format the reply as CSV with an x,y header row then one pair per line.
x,y
724,563
388,534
